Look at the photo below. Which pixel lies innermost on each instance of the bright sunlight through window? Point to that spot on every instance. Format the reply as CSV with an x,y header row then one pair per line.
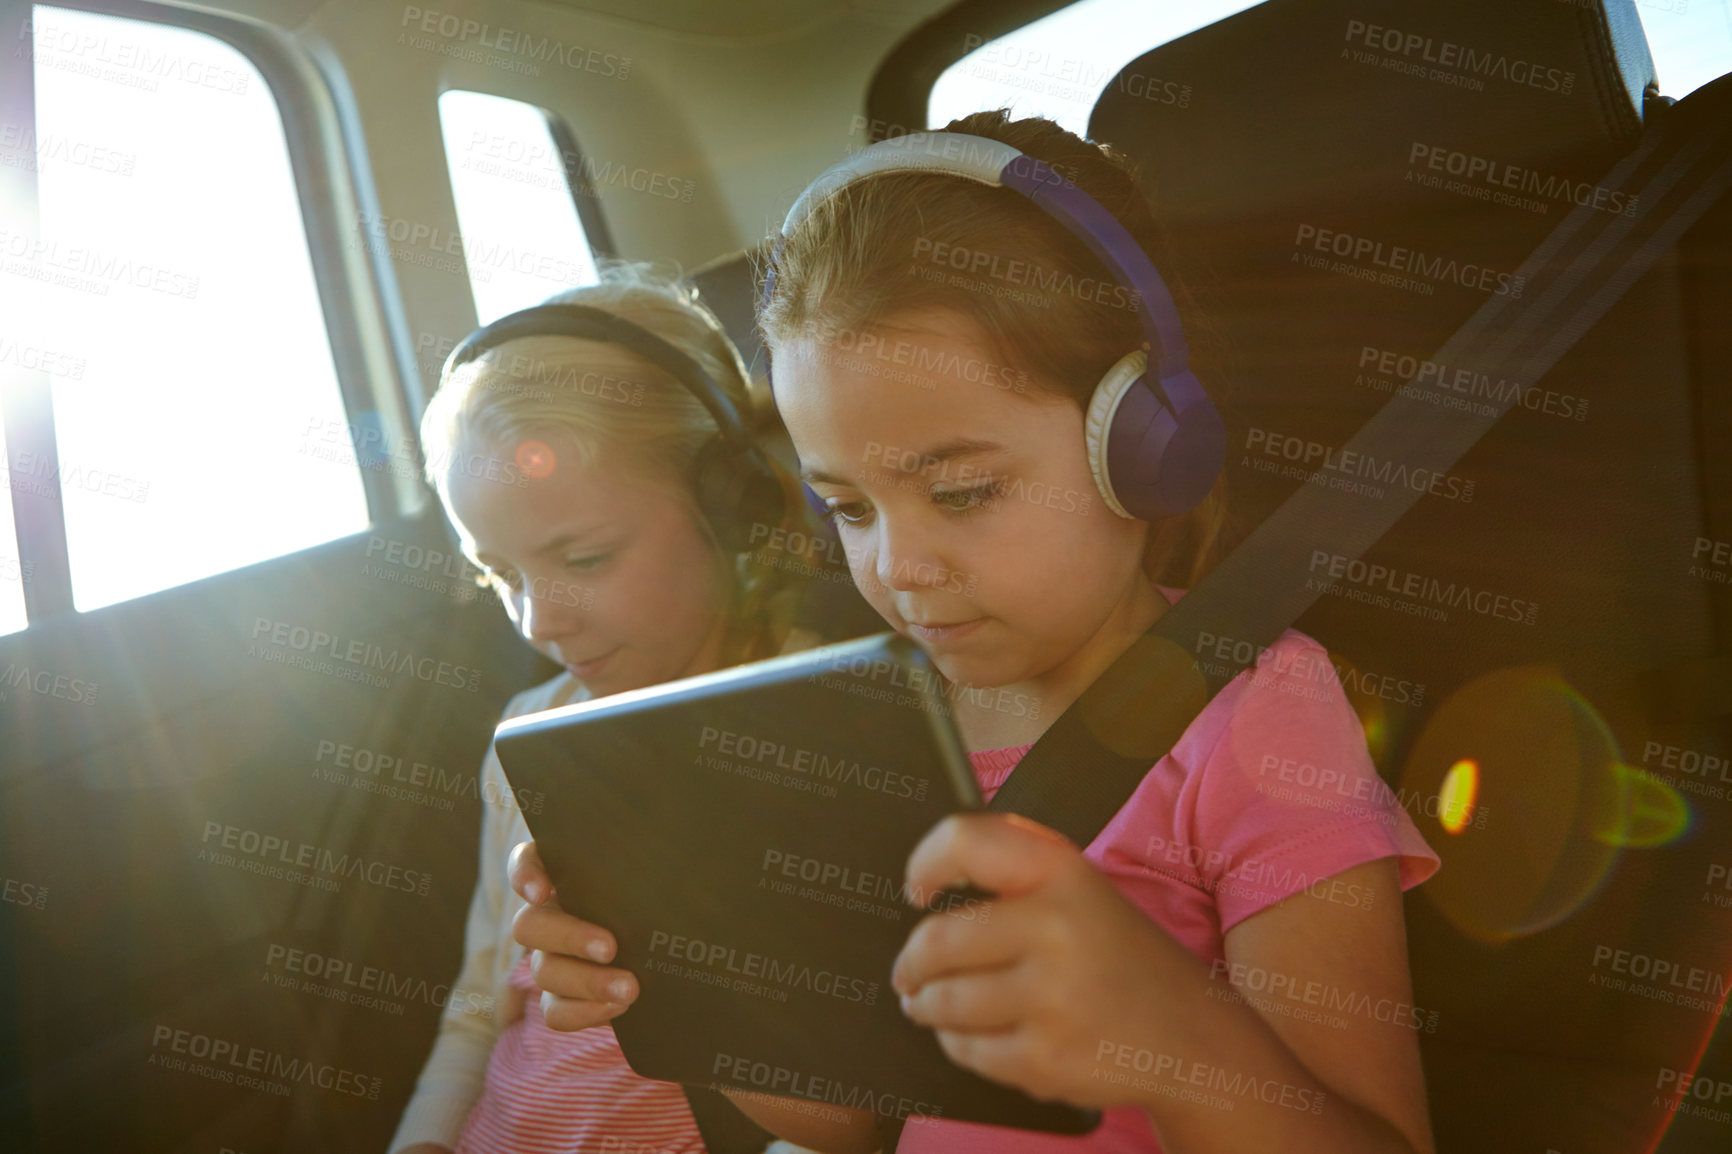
x,y
1690,41
172,272
522,237
1058,66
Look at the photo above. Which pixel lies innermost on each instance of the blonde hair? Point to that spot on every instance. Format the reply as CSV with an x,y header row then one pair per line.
x,y
617,408
856,265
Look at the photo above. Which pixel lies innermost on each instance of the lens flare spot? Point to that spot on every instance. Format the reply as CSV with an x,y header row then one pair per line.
x,y
1546,805
535,458
1455,797
1646,811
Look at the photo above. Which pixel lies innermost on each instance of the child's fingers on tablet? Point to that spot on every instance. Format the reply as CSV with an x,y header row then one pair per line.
x,y
974,1002
944,944
579,980
528,876
1001,1055
1004,853
568,1015
551,929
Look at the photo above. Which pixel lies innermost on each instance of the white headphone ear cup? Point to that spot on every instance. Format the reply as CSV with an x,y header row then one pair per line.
x,y
1103,407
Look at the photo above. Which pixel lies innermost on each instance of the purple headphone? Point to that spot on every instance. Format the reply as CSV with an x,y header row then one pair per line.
x,y
1155,450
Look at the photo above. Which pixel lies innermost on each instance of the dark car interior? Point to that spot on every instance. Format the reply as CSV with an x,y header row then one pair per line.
x,y
1338,211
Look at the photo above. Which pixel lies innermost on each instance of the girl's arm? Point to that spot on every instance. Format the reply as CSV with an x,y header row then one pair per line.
x,y
1069,991
456,1070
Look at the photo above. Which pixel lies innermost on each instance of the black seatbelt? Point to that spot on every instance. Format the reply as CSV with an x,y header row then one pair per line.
x,y
1093,757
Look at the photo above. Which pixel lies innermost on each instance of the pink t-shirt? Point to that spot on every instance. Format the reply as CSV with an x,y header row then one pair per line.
x,y
1271,791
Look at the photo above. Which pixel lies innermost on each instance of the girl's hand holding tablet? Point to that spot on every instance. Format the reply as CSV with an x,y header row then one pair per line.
x,y
1067,985
579,989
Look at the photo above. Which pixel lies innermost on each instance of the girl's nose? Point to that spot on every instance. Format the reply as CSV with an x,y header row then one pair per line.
x,y
906,559
549,611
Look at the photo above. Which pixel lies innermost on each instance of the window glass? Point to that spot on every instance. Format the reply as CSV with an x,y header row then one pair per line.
x,y
522,238
1058,66
170,279
1690,41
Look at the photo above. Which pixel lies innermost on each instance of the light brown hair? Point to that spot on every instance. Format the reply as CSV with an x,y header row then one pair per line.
x,y
863,261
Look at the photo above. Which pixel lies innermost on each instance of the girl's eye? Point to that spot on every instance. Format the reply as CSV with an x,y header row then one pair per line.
x,y
848,512
587,563
968,500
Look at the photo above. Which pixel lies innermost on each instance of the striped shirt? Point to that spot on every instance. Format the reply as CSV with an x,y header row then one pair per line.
x,y
552,1092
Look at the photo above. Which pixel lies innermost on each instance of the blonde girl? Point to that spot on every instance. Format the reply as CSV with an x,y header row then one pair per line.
x,y
566,467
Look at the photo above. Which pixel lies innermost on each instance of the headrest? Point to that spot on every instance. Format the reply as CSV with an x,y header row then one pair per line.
x,y
1357,178
1326,100
729,287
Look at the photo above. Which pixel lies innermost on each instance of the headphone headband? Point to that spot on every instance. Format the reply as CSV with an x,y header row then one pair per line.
x,y
997,164
586,322
736,485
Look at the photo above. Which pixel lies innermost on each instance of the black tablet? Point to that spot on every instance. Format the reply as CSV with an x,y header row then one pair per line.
x,y
744,835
